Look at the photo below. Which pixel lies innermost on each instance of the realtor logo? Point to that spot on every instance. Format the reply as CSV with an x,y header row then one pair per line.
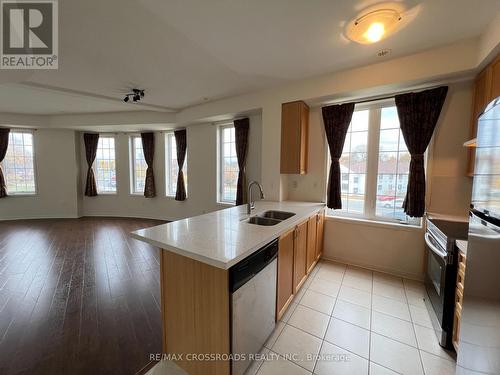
x,y
29,34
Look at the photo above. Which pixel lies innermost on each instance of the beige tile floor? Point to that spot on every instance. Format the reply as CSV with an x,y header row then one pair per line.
x,y
348,320
359,322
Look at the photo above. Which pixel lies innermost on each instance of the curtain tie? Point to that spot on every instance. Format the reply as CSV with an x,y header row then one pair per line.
x,y
335,159
417,157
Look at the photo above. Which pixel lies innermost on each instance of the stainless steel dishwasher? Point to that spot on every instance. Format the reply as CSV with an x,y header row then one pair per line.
x,y
253,304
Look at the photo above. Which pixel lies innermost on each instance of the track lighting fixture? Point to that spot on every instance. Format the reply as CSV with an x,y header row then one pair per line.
x,y
136,95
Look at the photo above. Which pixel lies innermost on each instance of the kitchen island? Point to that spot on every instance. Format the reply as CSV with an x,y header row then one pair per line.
x,y
195,258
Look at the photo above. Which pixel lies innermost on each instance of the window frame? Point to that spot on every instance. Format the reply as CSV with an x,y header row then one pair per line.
x,y
132,154
168,162
220,164
372,176
107,135
35,174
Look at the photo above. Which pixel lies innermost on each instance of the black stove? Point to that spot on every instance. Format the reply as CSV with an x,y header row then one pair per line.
x,y
441,273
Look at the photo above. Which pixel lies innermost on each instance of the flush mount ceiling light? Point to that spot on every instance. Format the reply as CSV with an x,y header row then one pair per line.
x,y
373,26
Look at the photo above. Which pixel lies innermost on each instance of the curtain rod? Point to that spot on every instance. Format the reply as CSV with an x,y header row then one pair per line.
x,y
380,98
375,99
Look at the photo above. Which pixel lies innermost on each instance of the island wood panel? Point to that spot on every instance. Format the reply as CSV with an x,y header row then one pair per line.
x,y
284,285
311,242
196,312
300,256
320,233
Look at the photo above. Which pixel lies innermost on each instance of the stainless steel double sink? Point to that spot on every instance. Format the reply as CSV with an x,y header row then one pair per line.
x,y
269,218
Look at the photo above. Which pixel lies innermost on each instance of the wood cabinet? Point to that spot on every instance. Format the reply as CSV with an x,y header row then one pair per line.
x,y
486,88
459,295
300,256
312,227
294,137
284,290
299,251
495,78
320,229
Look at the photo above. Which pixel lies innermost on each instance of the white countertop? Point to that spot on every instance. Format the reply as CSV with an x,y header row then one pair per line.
x,y
223,238
462,245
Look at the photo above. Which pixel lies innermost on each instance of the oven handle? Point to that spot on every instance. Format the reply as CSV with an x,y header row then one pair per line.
x,y
439,252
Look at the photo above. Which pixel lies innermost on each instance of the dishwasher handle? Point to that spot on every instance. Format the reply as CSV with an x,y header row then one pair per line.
x,y
246,269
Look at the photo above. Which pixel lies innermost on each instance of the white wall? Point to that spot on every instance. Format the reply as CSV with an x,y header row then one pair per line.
x,y
449,187
57,172
201,175
387,248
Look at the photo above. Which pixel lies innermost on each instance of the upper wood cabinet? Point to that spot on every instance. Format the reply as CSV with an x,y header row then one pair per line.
x,y
294,136
284,288
495,78
300,256
486,88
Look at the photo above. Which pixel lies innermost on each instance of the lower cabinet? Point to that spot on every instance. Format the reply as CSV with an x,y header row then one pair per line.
x,y
312,255
300,256
299,251
284,289
320,233
459,295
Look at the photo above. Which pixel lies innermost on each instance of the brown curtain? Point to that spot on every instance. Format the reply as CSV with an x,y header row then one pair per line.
x,y
336,119
4,143
241,127
181,145
91,141
418,114
148,148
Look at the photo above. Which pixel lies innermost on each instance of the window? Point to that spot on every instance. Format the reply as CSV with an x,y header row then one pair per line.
x,y
228,165
375,165
105,165
138,166
353,163
19,165
172,169
393,162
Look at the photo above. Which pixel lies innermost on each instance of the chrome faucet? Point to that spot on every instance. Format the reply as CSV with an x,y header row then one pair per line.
x,y
251,203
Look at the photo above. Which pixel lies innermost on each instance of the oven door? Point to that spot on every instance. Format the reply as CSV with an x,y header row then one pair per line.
x,y
435,278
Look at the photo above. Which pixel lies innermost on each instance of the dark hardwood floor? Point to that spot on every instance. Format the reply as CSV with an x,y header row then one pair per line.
x,y
77,296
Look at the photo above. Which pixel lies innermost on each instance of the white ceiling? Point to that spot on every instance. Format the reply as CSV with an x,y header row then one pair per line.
x,y
184,52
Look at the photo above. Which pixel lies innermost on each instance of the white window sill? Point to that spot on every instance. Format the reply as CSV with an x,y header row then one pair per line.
x,y
21,195
226,204
106,193
375,223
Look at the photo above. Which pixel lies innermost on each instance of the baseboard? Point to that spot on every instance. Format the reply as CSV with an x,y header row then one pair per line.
x,y
164,218
41,217
371,267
